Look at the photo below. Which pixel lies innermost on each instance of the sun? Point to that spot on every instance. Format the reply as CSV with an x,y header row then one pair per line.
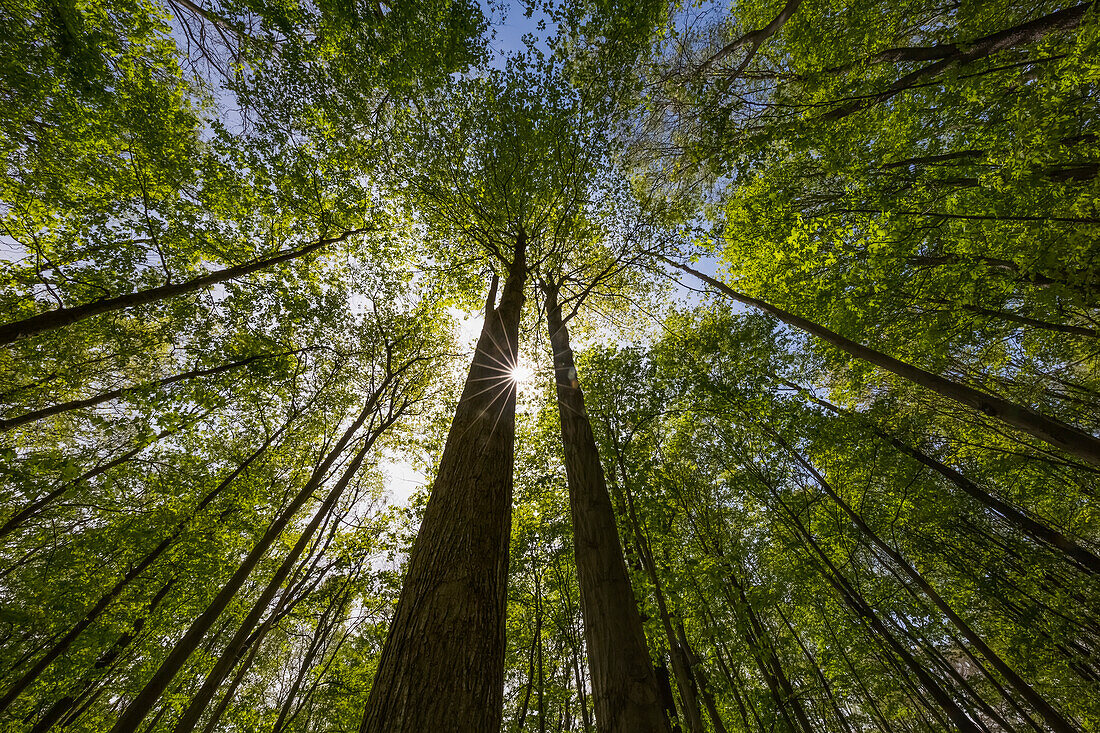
x,y
521,372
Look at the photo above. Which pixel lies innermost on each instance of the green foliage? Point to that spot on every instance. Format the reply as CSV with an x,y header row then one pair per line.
x,y
885,170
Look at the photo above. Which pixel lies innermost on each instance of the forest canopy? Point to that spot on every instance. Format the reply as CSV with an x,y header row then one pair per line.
x,y
566,365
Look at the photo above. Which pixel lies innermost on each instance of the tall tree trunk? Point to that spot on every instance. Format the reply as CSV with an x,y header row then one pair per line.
x,y
623,683
541,668
254,645
61,317
875,714
1047,429
142,703
442,667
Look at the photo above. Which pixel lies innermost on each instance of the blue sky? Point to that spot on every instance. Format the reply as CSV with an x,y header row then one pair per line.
x,y
508,23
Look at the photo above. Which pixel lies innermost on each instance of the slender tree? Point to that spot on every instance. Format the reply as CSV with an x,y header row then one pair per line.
x,y
624,687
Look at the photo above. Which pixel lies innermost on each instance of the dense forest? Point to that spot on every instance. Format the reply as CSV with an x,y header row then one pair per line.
x,y
745,354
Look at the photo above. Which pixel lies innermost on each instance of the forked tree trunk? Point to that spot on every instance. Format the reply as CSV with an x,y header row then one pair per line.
x,y
1047,429
623,683
442,667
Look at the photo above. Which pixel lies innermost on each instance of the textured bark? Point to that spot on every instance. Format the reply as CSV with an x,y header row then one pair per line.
x,y
61,317
1047,429
442,667
624,686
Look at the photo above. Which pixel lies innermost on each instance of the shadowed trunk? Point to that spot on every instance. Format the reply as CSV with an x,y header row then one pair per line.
x,y
442,667
623,683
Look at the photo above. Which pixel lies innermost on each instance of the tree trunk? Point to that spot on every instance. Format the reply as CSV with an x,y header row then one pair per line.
x,y
1079,555
132,574
1049,430
61,317
623,683
141,704
232,652
442,667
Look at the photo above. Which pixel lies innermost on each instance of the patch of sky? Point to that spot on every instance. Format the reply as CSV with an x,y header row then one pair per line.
x,y
515,27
